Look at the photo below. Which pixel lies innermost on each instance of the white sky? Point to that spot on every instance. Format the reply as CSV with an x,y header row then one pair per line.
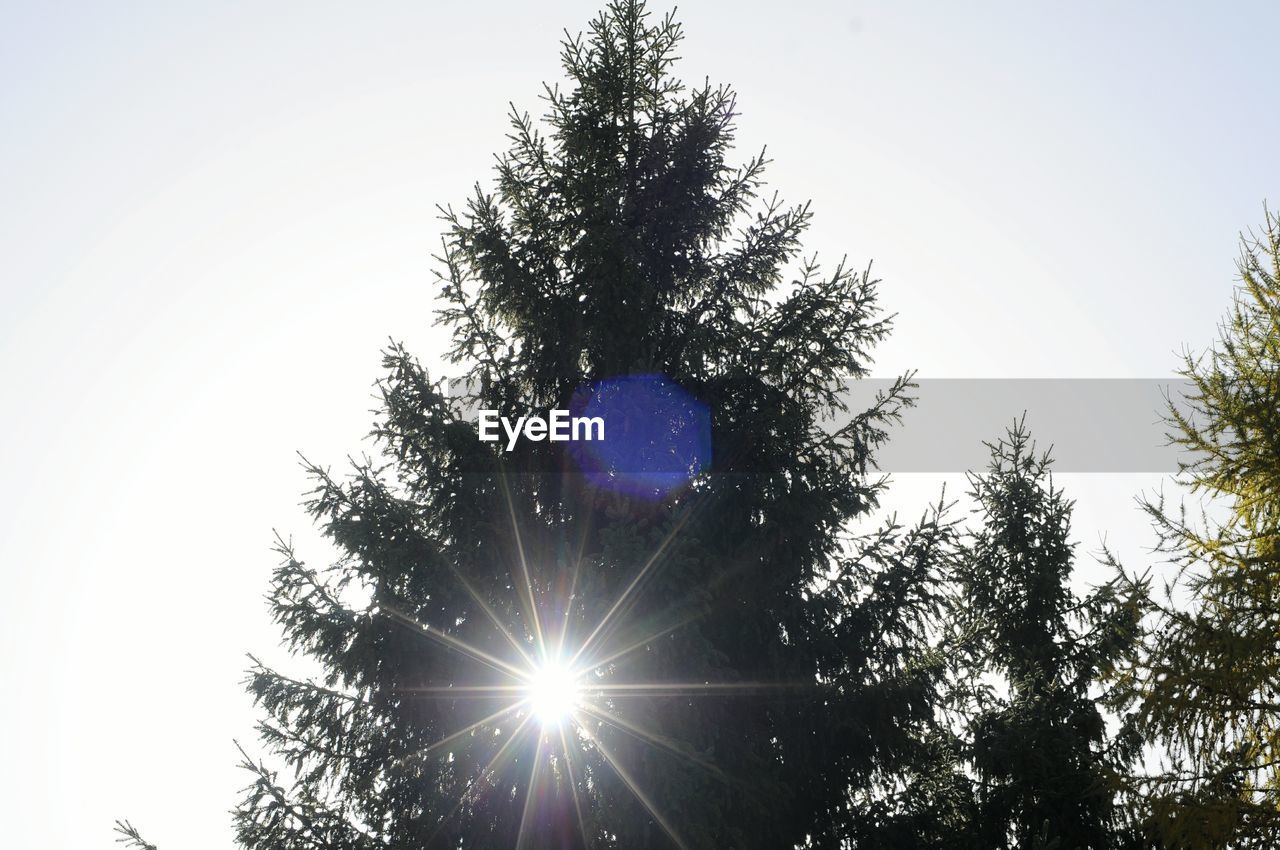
x,y
213,218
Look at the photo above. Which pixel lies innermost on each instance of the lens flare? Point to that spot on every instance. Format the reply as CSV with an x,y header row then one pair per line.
x,y
553,693
560,700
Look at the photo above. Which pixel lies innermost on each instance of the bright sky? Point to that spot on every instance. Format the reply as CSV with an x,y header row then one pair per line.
x,y
215,215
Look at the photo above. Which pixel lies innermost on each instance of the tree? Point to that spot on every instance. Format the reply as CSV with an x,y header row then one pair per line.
x,y
1046,772
694,654
1211,684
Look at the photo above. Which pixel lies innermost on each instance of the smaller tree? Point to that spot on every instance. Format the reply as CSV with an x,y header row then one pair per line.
x,y
1045,771
1210,685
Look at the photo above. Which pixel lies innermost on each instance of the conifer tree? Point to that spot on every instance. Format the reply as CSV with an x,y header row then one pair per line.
x,y
1046,773
516,654
1210,686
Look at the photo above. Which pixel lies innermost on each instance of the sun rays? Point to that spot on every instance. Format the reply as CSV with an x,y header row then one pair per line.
x,y
556,691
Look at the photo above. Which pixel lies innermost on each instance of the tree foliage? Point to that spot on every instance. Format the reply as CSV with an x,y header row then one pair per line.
x,y
754,667
787,695
1046,770
1210,687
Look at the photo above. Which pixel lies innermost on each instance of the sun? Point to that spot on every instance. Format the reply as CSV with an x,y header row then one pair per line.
x,y
553,693
559,691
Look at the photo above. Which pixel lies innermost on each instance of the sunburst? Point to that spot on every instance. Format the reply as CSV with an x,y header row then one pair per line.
x,y
554,692
558,694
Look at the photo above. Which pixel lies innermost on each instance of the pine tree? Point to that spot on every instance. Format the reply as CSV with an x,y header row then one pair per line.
x,y
1211,684
518,655
1046,771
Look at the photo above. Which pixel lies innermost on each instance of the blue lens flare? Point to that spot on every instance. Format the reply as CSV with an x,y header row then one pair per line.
x,y
657,435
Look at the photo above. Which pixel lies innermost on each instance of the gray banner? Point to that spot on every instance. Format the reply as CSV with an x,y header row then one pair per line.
x,y
1092,425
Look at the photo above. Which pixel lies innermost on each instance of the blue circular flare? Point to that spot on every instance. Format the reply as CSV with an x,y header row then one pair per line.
x,y
656,435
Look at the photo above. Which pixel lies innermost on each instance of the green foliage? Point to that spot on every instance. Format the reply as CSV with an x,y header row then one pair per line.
x,y
1211,684
1045,770
756,674
798,686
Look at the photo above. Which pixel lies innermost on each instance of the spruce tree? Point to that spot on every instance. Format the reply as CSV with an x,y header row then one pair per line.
x,y
1046,772
1210,686
517,654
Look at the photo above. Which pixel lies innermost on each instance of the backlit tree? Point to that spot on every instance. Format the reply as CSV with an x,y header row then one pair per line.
x,y
675,640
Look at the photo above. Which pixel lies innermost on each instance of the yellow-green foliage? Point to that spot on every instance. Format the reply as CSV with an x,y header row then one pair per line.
x,y
1212,690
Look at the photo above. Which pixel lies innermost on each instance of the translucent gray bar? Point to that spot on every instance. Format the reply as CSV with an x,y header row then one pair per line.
x,y
1092,425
